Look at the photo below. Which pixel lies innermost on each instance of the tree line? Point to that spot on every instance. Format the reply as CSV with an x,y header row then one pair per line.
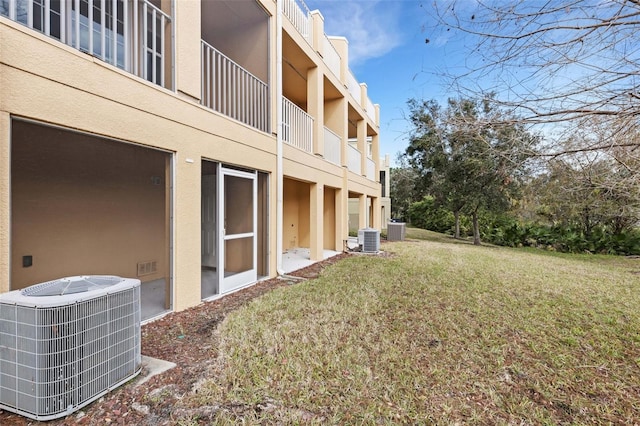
x,y
540,141
472,170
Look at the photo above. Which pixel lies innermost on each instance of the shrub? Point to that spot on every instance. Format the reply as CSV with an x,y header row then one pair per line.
x,y
506,230
426,214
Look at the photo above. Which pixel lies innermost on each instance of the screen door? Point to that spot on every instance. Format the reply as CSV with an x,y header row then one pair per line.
x,y
237,243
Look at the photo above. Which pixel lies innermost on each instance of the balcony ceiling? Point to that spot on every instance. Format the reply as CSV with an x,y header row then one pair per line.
x,y
371,131
354,115
331,92
295,67
223,18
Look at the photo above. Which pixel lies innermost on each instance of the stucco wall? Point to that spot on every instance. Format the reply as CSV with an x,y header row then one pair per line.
x,y
329,242
53,83
82,205
5,182
296,214
46,81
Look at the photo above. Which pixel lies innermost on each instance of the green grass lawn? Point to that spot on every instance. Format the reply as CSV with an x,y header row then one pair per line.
x,y
440,332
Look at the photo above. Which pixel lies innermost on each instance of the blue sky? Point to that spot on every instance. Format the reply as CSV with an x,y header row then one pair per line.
x,y
387,50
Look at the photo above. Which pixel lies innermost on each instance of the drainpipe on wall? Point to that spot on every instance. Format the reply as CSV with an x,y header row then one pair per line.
x,y
279,172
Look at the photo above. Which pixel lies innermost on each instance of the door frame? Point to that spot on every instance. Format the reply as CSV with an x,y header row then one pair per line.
x,y
227,283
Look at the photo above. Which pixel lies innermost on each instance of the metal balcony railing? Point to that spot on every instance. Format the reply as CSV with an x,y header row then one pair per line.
x,y
297,126
298,13
354,160
231,90
371,169
133,35
331,57
371,110
354,88
331,146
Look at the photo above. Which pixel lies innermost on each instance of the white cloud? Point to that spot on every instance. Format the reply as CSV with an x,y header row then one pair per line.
x,y
373,27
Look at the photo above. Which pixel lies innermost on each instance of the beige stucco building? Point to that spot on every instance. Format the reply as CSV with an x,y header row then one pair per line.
x,y
384,202
185,143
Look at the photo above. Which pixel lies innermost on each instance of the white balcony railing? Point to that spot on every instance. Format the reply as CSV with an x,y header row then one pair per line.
x,y
354,88
331,146
297,126
371,110
354,160
233,91
298,13
371,169
331,57
132,35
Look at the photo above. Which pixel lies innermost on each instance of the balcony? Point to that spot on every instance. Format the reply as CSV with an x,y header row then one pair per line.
x,y
233,91
371,169
331,57
234,60
134,36
354,160
332,147
371,110
297,126
298,13
354,87
303,20
297,130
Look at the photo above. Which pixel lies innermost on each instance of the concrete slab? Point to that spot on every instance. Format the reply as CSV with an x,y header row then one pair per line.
x,y
152,367
299,257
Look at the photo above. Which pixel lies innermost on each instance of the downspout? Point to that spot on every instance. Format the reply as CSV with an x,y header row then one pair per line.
x,y
279,171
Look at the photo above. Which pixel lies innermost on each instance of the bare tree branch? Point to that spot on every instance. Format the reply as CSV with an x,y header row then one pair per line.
x,y
548,62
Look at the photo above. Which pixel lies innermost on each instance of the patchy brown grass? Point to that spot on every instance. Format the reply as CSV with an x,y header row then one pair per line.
x,y
440,333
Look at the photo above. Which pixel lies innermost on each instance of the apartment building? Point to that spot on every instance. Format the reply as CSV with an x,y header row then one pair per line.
x,y
186,143
363,206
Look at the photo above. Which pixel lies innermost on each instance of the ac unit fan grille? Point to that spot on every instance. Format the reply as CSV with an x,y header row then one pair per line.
x,y
71,285
370,240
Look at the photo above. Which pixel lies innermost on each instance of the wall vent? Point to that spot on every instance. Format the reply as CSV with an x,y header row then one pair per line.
x,y
147,268
65,343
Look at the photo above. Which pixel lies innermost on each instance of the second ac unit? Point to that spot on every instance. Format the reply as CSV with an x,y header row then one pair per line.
x,y
369,240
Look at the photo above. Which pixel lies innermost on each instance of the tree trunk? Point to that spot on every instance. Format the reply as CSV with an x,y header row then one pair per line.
x,y
456,215
586,221
476,228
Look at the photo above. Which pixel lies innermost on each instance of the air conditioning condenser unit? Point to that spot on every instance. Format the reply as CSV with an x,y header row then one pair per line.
x,y
65,343
369,240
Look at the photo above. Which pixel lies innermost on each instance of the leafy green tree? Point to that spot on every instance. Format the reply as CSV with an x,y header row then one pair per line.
x,y
468,156
402,181
435,158
427,214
